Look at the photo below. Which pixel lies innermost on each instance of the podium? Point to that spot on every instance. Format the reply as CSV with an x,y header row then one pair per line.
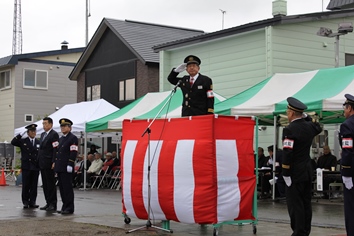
x,y
202,169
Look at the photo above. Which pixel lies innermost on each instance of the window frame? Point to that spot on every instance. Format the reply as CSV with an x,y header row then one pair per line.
x,y
124,90
6,87
28,115
35,79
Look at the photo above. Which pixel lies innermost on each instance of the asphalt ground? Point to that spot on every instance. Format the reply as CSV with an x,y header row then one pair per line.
x,y
99,212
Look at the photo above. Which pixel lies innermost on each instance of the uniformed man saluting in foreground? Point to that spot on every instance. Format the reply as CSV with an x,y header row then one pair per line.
x,y
29,165
296,166
64,165
197,89
346,136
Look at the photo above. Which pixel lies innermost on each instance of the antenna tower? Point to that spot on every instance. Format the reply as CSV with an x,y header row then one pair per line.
x,y
17,29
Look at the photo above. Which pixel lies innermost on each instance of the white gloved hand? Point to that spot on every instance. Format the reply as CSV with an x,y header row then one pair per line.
x,y
69,169
348,182
180,68
270,161
287,180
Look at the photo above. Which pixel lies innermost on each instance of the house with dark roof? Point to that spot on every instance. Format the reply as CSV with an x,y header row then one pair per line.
x,y
33,85
119,64
240,57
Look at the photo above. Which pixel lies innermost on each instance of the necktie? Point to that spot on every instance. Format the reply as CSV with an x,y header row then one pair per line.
x,y
45,135
33,142
191,81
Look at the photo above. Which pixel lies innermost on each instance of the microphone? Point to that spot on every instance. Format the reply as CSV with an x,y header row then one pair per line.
x,y
178,83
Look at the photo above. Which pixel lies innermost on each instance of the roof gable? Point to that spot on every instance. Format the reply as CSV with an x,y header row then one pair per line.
x,y
139,37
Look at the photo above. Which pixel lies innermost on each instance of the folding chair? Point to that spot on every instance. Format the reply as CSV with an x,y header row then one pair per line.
x,y
100,175
115,179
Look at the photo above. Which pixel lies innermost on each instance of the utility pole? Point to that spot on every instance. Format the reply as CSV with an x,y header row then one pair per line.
x,y
223,14
17,29
87,15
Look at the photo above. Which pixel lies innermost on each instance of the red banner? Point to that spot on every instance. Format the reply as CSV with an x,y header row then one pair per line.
x,y
201,169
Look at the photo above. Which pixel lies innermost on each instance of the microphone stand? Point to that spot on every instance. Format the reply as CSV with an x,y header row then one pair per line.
x,y
148,131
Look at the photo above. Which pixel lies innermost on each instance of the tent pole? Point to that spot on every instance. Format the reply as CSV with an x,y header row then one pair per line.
x,y
274,155
85,159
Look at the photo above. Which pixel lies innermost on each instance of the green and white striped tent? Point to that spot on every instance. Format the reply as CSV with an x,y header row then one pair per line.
x,y
321,90
145,107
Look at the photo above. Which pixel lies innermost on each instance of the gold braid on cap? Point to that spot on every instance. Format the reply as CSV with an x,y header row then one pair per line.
x,y
295,109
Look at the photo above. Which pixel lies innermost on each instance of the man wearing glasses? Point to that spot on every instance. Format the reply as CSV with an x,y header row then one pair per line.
x,y
346,136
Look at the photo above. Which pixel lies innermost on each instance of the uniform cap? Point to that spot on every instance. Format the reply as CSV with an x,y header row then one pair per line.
x,y
65,121
191,59
295,105
31,127
350,99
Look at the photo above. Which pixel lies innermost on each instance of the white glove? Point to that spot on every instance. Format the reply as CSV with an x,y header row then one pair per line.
x,y
69,169
287,180
348,182
180,68
270,161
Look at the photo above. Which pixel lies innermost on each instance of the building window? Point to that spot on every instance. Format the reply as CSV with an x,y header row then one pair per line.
x,y
5,80
28,118
37,79
88,93
349,59
126,90
93,92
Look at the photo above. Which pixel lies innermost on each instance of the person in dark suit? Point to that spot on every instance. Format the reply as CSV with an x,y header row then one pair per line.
x,y
296,167
64,165
49,142
346,136
197,89
29,165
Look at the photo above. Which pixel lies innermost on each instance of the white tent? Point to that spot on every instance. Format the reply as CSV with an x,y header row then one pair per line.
x,y
79,114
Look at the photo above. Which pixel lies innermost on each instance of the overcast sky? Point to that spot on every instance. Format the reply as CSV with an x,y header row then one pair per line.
x,y
46,23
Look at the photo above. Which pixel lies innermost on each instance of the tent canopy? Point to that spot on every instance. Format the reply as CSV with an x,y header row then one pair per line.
x,y
321,90
146,107
79,114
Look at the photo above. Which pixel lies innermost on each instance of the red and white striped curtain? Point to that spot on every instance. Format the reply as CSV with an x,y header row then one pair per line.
x,y
202,169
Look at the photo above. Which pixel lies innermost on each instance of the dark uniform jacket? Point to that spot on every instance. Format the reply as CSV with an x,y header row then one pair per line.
x,y
66,153
198,99
47,149
29,153
327,161
297,141
346,136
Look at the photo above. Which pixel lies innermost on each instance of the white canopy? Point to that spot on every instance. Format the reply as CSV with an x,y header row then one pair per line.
x,y
79,114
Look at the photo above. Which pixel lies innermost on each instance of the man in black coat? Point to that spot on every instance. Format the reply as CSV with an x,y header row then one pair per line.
x,y
296,166
29,165
197,89
346,136
49,142
64,165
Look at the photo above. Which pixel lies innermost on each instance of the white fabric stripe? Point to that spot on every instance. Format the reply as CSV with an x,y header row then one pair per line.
x,y
183,192
229,196
265,100
127,176
156,211
335,103
149,102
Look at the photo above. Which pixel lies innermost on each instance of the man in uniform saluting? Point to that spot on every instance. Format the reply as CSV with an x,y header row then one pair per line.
x,y
197,89
346,136
29,165
64,165
296,166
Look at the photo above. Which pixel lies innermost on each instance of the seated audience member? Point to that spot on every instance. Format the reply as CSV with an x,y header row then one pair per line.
x,y
280,184
94,169
327,162
80,172
264,176
78,162
115,159
108,163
